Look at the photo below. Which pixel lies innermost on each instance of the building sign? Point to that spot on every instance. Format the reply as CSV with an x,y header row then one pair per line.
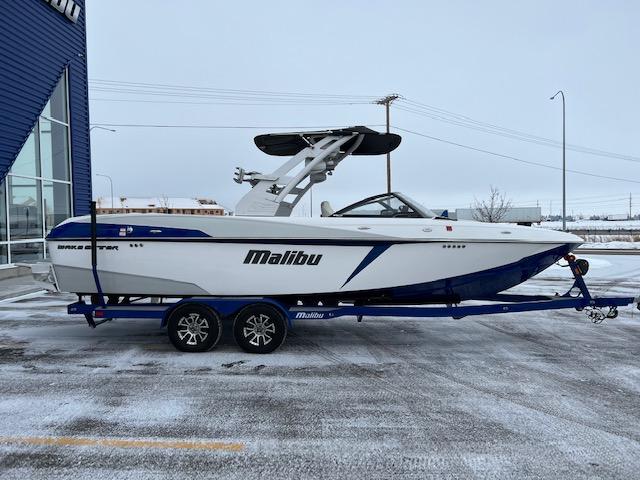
x,y
67,7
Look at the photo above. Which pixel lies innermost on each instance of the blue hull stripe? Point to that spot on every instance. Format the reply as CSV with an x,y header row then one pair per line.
x,y
478,284
375,252
82,231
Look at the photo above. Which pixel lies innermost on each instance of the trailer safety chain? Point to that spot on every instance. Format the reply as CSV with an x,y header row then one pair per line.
x,y
597,315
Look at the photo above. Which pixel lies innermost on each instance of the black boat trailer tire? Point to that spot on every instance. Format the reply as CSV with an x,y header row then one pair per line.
x,y
194,327
259,328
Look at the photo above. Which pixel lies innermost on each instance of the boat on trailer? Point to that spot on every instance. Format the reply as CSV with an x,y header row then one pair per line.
x,y
384,250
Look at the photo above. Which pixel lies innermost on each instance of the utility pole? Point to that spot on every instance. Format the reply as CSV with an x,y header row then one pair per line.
x,y
386,101
629,206
564,166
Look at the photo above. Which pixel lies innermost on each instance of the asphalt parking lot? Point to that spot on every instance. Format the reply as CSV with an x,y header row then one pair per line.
x,y
513,396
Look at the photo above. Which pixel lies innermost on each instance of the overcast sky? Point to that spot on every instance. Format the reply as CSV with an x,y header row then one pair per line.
x,y
493,61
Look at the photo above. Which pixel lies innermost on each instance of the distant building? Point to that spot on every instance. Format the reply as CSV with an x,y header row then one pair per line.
x,y
175,205
617,217
519,215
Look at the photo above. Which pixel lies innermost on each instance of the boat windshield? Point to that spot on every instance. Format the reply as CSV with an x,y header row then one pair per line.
x,y
386,205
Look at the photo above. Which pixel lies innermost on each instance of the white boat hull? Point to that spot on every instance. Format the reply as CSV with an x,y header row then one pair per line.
x,y
408,258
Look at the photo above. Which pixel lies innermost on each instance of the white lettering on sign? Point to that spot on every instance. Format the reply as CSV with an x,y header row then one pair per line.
x,y
68,8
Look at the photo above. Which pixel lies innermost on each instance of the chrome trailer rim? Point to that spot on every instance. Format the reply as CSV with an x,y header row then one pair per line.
x,y
194,328
259,328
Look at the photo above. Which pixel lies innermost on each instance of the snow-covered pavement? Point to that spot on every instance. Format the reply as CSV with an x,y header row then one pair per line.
x,y
530,395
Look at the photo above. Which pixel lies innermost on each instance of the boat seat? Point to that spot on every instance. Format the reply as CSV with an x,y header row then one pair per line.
x,y
325,209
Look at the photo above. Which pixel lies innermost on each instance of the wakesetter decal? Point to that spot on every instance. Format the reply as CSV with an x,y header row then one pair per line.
x,y
87,247
290,257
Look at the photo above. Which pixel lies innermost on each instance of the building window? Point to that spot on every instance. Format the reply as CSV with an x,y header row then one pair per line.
x,y
26,252
36,195
25,208
54,150
56,203
26,163
3,219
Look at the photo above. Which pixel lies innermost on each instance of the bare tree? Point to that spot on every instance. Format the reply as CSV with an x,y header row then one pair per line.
x,y
493,209
164,202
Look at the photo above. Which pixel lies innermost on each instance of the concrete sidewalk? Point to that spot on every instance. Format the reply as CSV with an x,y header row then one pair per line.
x,y
16,286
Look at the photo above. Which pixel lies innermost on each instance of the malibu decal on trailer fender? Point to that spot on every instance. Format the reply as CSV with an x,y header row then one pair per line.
x,y
290,257
309,315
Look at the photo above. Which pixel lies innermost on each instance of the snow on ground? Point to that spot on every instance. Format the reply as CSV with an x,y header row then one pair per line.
x,y
535,395
605,240
594,224
608,275
614,245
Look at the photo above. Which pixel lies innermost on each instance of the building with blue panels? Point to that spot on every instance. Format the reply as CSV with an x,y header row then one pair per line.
x,y
45,168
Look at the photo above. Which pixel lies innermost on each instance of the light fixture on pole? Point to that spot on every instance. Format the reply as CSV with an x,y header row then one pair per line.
x,y
101,128
564,165
99,174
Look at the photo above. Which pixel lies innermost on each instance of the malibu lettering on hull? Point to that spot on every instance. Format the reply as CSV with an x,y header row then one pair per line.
x,y
290,257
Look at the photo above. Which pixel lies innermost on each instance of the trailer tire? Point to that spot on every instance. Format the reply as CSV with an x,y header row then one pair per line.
x,y
194,328
259,328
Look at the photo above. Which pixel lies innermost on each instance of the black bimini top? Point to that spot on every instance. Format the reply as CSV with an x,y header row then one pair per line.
x,y
289,144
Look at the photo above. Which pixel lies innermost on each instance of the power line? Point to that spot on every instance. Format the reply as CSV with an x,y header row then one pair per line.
x,y
226,90
265,127
236,95
266,97
501,155
452,118
222,127
233,98
575,198
135,100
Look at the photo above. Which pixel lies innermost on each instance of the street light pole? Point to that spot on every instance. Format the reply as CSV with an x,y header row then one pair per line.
x,y
386,101
110,183
564,165
99,174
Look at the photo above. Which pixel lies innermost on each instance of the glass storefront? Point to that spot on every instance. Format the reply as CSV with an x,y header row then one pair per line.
x,y
36,195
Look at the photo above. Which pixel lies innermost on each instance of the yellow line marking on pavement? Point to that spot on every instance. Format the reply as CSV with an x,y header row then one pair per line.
x,y
124,443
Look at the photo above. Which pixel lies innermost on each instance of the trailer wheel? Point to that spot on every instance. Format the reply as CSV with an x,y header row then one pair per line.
x,y
259,328
194,328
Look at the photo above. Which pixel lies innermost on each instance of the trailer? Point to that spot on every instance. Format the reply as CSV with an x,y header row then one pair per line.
x,y
260,324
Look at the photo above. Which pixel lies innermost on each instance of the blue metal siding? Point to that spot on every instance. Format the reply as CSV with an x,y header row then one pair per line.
x,y
36,44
